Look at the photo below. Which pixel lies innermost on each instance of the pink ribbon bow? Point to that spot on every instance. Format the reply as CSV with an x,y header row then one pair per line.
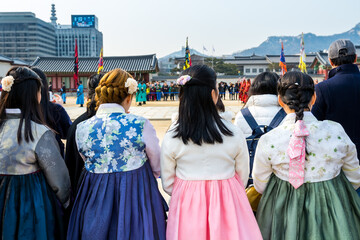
x,y
296,152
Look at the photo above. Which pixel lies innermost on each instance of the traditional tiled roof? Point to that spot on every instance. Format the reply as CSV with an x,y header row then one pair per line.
x,y
139,64
323,58
20,62
291,59
357,48
13,61
5,59
248,60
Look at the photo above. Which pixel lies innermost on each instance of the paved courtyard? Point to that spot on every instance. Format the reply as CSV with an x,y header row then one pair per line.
x,y
152,110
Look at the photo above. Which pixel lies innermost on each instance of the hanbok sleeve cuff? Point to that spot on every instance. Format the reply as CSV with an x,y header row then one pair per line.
x,y
53,166
262,169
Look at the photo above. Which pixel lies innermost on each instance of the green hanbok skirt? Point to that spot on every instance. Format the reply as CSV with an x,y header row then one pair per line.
x,y
321,210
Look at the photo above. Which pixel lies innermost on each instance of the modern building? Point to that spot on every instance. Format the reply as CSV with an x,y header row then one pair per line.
x,y
61,70
25,37
249,65
84,28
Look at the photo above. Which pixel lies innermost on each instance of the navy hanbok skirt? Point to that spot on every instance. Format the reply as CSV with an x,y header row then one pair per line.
x,y
122,205
29,208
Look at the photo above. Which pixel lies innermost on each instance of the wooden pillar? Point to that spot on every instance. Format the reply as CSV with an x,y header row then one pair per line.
x,y
59,82
72,82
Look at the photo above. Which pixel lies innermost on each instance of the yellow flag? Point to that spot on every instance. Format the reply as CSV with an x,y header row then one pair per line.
x,y
101,62
302,62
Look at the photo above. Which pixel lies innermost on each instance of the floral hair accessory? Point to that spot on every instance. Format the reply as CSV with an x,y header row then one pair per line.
x,y
183,80
131,84
7,83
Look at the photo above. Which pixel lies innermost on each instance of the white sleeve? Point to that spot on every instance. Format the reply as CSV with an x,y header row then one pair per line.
x,y
351,166
237,119
152,147
242,166
262,166
168,166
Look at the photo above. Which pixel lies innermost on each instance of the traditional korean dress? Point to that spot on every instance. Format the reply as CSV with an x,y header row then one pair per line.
x,y
63,93
206,184
318,200
33,181
143,93
80,95
118,197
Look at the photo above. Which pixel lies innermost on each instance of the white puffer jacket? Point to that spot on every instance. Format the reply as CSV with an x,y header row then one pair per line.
x,y
262,107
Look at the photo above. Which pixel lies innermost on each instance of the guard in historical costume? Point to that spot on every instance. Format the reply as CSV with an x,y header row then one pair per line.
x,y
80,95
63,93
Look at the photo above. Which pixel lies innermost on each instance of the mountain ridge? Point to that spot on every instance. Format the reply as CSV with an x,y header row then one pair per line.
x,y
313,43
272,45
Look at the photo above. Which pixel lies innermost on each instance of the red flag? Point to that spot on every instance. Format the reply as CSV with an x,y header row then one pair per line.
x,y
76,65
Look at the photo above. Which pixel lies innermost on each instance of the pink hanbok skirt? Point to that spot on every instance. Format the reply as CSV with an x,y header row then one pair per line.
x,y
211,209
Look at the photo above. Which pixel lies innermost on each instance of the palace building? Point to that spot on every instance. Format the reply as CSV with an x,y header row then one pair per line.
x,y
61,70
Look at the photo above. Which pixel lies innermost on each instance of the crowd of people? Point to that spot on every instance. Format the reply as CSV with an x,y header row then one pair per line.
x,y
238,91
156,91
287,169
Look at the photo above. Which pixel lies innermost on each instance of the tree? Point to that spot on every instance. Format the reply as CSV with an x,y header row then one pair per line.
x,y
275,66
175,71
221,67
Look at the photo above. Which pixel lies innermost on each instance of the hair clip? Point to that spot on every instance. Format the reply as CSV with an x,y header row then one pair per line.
x,y
297,84
183,80
131,84
7,83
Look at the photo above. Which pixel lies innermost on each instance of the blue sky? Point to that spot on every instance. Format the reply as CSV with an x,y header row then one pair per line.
x,y
133,27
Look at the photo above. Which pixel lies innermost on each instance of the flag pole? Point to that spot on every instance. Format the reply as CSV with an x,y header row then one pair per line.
x,y
212,62
76,65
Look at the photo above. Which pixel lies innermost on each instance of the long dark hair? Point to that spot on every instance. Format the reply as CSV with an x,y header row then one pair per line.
x,y
199,120
296,90
92,84
45,101
264,83
23,95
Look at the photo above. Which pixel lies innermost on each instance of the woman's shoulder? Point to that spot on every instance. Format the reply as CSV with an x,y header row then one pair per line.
x,y
39,129
136,118
58,111
329,126
237,132
227,115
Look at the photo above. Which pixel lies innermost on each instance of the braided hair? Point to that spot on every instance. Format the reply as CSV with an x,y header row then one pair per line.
x,y
296,90
92,84
111,88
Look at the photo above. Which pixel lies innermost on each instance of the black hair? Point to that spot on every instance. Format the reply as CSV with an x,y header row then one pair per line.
x,y
220,105
45,100
343,58
199,120
296,90
92,84
264,83
23,95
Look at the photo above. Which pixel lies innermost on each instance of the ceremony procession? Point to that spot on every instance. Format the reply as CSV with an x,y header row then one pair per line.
x,y
101,140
